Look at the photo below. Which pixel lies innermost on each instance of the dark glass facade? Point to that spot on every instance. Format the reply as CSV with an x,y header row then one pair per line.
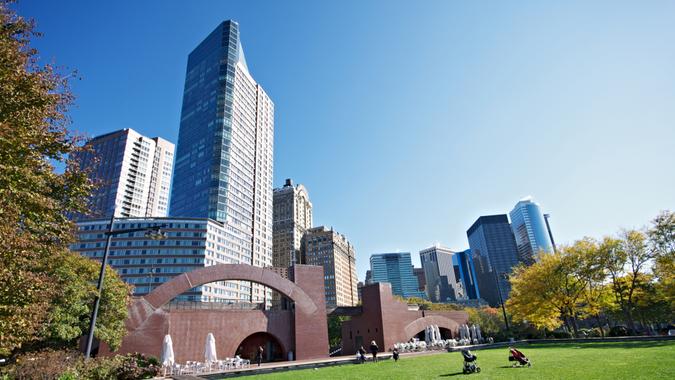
x,y
466,273
494,254
201,180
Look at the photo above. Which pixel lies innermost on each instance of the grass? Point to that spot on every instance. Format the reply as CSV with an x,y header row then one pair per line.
x,y
602,360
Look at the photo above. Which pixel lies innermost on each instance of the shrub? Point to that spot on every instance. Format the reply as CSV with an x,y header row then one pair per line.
x,y
618,331
561,334
137,366
44,365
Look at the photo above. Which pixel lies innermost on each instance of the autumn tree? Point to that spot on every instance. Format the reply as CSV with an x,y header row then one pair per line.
x,y
45,290
662,242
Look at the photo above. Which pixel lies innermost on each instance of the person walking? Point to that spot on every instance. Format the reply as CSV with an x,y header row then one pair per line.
x,y
362,355
394,354
259,355
373,350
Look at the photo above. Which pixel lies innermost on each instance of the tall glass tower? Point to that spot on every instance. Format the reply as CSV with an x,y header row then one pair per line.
x,y
396,269
223,168
529,228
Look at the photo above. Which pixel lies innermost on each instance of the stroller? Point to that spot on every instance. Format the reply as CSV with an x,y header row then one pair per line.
x,y
470,364
519,358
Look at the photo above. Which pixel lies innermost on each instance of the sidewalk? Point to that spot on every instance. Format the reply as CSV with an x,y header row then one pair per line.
x,y
298,364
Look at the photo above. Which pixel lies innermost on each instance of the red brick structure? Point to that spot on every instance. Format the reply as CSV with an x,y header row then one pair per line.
x,y
387,321
302,330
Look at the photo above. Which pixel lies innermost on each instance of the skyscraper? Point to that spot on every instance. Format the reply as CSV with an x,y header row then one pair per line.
x,y
334,252
225,146
494,254
466,273
439,271
292,217
529,228
396,269
133,173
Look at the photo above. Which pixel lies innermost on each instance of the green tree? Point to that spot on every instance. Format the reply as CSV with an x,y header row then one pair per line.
x,y
489,319
662,242
35,198
335,329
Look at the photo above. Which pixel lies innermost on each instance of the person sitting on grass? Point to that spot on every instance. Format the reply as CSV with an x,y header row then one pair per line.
x,y
394,354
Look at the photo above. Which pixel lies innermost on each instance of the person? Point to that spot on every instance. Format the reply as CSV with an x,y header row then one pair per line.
x,y
394,354
259,355
362,355
373,350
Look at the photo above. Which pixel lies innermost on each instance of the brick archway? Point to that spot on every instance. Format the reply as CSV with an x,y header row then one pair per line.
x,y
307,335
413,328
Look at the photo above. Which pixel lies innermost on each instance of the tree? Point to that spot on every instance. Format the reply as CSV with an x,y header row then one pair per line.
x,y
335,329
626,261
34,199
489,319
662,242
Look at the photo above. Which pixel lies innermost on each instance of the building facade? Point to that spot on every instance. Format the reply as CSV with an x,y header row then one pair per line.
x,y
145,263
132,171
494,254
421,279
439,271
397,270
466,273
224,157
529,229
292,217
333,251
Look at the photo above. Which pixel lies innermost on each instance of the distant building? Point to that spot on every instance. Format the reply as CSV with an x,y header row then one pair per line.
x,y
369,277
132,171
359,289
146,263
395,269
292,217
442,284
494,254
466,273
334,252
529,229
421,279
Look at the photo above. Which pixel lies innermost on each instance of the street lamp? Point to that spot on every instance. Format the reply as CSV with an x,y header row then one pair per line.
x,y
153,232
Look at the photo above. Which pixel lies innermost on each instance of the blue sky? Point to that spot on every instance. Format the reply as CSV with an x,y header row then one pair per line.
x,y
408,120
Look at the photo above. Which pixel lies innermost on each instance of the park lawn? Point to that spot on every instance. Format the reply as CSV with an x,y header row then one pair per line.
x,y
599,360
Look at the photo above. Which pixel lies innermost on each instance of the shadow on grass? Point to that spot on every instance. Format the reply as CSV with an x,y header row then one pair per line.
x,y
453,374
582,345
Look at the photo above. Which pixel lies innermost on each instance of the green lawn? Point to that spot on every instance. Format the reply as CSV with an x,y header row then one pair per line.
x,y
601,360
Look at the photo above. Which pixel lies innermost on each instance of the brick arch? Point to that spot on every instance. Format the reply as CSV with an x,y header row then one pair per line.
x,y
143,308
240,337
413,328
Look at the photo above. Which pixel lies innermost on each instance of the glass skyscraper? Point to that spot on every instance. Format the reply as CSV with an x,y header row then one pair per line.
x,y
439,272
529,228
396,269
494,254
223,168
466,273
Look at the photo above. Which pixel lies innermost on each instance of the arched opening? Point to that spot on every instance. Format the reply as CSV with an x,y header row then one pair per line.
x,y
272,349
445,334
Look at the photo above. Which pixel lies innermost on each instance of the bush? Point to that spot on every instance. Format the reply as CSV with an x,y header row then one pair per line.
x,y
561,334
619,331
137,366
44,365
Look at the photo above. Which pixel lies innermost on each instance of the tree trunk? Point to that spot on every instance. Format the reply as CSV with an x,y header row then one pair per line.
x,y
602,331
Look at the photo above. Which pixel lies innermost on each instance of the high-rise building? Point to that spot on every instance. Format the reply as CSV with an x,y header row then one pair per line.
x,y
396,269
494,254
224,162
466,273
529,228
146,263
439,271
421,279
334,252
292,217
133,173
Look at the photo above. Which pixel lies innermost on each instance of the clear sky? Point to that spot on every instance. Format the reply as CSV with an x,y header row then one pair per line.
x,y
408,120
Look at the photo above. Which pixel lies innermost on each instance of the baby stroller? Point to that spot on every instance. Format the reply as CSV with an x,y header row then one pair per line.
x,y
518,357
470,364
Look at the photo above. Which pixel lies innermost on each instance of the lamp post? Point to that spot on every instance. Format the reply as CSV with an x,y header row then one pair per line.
x,y
153,232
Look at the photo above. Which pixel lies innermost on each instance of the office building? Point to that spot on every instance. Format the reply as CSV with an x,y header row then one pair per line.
x,y
146,263
439,271
131,171
224,156
466,273
529,229
333,251
395,269
421,279
292,216
494,254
